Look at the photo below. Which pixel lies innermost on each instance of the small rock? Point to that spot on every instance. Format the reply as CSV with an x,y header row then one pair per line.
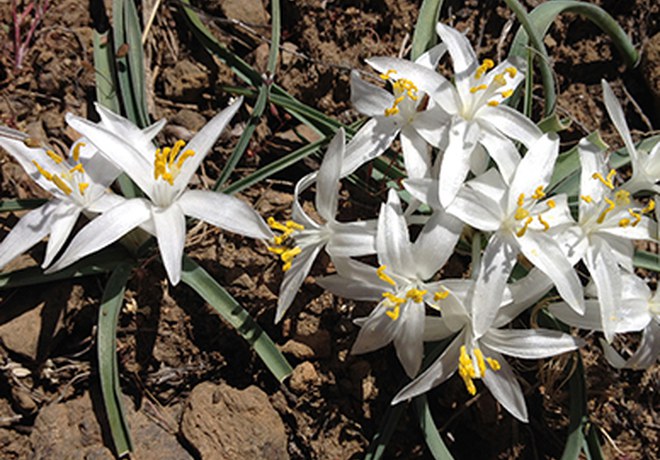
x,y
297,350
251,12
304,376
223,422
185,81
23,399
318,341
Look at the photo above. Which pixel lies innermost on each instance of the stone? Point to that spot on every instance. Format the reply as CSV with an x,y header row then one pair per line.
x,y
185,81
222,422
304,377
251,12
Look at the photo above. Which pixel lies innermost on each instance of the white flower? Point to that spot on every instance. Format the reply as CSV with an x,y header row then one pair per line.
x,y
407,112
163,175
400,284
78,182
341,239
608,220
523,220
646,168
479,355
478,117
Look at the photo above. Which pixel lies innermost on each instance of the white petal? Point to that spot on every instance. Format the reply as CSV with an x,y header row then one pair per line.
x,y
362,274
170,224
463,58
503,152
618,118
368,99
435,243
376,331
63,221
409,340
224,211
392,239
353,239
525,292
592,161
477,210
424,190
530,343
294,278
545,254
349,288
605,273
511,123
327,182
297,212
431,57
203,141
443,368
105,202
647,353
591,320
104,230
432,124
369,142
416,156
505,387
31,229
463,138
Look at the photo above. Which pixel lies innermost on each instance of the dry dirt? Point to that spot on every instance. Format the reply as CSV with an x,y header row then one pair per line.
x,y
193,386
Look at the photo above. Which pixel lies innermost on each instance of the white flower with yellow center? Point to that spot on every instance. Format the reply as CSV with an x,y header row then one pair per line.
x,y
78,182
399,284
645,167
522,219
301,239
609,219
478,118
406,112
163,175
479,355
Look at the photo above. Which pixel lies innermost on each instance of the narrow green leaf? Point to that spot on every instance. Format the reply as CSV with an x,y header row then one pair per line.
x,y
135,59
593,443
577,412
104,65
424,36
385,430
21,204
231,311
647,260
431,435
554,124
276,26
111,303
101,262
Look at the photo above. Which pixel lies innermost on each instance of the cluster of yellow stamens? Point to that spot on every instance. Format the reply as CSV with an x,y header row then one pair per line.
x,y
65,180
282,247
394,302
169,161
467,370
621,199
499,81
523,214
402,87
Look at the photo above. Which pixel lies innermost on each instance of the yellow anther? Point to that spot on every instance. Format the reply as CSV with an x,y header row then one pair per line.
x,y
288,256
551,204
546,225
176,148
624,222
416,295
521,199
485,66
54,156
279,250
82,187
538,193
183,157
511,71
493,103
275,225
586,198
607,182
42,171
499,79
76,151
402,88
391,111
520,233
603,214
521,213
77,168
394,313
494,364
637,216
507,93
294,225
394,300
466,371
649,207
387,75
440,295
480,361
169,161
63,186
382,275
475,89
622,197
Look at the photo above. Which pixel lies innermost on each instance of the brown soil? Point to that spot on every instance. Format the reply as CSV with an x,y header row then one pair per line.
x,y
176,354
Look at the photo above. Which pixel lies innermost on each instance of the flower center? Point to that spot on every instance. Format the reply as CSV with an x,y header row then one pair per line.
x,y
393,301
169,161
69,178
493,93
468,371
283,244
524,212
402,88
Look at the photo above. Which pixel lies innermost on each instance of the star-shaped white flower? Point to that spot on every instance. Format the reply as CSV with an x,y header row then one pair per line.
x,y
400,284
78,182
163,175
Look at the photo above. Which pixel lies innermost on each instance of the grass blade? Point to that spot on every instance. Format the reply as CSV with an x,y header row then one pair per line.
x,y
101,262
577,412
133,34
21,204
433,439
385,431
231,311
647,260
113,299
104,65
424,36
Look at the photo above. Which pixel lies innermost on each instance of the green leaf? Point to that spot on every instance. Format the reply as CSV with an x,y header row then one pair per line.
x,y
21,204
385,430
577,412
102,262
433,439
424,36
104,65
113,299
647,260
231,311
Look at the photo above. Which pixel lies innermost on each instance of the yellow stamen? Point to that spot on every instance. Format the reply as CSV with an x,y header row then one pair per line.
x,y
624,222
520,233
42,171
546,225
649,207
382,275
387,75
636,215
288,256
538,193
603,214
499,79
485,66
507,93
79,168
54,156
440,295
474,89
57,180
480,361
82,187
493,103
76,151
466,369
521,213
607,182
512,71
622,197
394,313
494,364
551,204
586,198
394,300
169,161
416,295
521,199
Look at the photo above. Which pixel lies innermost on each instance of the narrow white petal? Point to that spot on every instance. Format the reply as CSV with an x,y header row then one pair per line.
x,y
618,118
376,331
416,155
297,212
463,57
592,161
424,190
360,273
353,239
368,99
511,123
104,230
647,353
105,202
435,243
591,320
477,210
392,239
409,340
327,182
463,138
62,225
294,278
431,57
605,273
31,229
170,224
432,124
224,211
438,372
503,152
505,387
525,292
350,288
530,343
368,143
203,141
